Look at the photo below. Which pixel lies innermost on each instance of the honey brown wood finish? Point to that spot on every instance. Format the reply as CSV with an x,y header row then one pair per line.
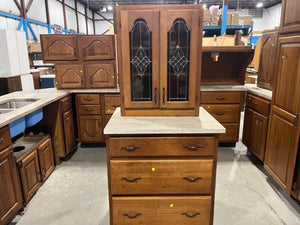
x,y
267,62
46,160
69,130
69,76
162,210
290,18
111,103
259,104
10,187
88,99
90,129
5,139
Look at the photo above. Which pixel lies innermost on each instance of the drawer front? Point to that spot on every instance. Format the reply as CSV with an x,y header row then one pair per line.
x,y
111,103
88,99
168,146
5,139
161,210
224,113
150,176
232,133
66,103
259,104
89,109
221,97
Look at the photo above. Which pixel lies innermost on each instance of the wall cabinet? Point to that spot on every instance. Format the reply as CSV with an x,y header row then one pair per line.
x,y
86,61
267,60
290,18
159,64
283,132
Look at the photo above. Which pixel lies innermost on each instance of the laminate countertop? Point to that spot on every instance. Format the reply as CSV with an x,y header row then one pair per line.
x,y
140,125
260,92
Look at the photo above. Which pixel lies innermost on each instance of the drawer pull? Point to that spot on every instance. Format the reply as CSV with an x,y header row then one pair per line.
x,y
255,103
89,110
191,215
88,99
131,179
219,114
1,140
220,99
130,149
68,103
132,216
193,148
192,179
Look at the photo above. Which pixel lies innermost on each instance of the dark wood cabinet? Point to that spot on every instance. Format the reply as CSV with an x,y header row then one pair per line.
x,y
97,47
10,187
59,47
46,160
101,75
90,128
290,17
69,76
69,131
159,63
267,61
30,174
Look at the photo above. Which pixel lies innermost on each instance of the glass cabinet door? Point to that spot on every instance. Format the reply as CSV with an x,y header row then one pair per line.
x,y
179,65
140,58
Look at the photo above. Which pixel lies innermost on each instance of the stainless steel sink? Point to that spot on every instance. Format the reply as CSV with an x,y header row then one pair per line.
x,y
16,103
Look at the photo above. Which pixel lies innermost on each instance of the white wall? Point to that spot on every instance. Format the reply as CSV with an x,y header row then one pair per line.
x,y
270,20
102,26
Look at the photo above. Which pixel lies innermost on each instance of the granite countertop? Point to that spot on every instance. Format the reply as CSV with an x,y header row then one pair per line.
x,y
223,88
260,92
43,96
124,125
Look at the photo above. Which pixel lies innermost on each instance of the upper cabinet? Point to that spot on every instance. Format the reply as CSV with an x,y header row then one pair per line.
x,y
267,59
59,47
159,64
290,16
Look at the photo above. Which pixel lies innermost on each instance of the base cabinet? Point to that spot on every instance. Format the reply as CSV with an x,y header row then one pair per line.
x,y
10,187
46,159
90,128
69,132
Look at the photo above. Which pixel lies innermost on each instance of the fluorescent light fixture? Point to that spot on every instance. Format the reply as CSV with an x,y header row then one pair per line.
x,y
259,5
109,8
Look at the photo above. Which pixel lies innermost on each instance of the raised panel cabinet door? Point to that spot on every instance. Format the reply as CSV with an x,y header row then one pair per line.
x,y
139,60
290,17
247,129
281,150
90,129
46,158
287,91
101,75
30,175
69,130
69,76
180,41
259,135
10,187
97,47
59,47
267,59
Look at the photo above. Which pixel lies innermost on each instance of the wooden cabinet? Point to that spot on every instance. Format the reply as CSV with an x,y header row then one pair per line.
x,y
160,62
46,158
69,131
256,124
267,61
93,66
290,18
224,106
283,132
59,47
10,187
90,128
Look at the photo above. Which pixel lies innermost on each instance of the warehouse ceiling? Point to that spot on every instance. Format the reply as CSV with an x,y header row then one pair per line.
x,y
97,5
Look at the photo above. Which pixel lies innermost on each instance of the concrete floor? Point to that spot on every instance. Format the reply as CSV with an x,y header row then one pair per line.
x,y
76,193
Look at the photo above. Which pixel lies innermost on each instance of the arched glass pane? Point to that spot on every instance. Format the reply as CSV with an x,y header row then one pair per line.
x,y
178,61
141,61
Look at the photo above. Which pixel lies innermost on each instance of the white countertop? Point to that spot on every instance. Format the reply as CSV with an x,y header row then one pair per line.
x,y
260,92
223,88
44,96
124,125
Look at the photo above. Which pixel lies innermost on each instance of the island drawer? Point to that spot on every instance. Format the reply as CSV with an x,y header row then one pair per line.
x,y
89,110
224,113
185,210
232,132
111,103
88,99
161,176
5,139
213,97
259,104
161,146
